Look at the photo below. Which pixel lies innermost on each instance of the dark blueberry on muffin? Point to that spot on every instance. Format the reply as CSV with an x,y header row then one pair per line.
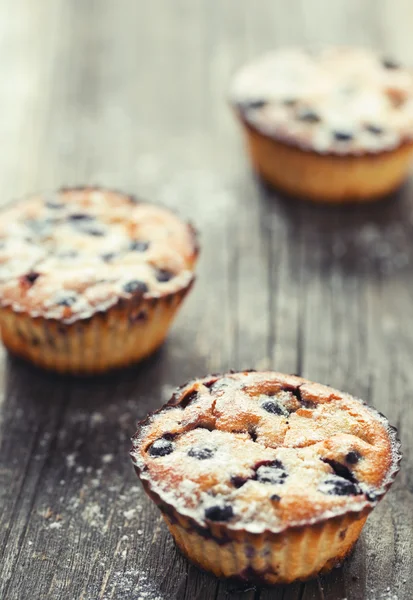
x,y
389,63
274,408
67,299
343,136
31,277
138,246
219,513
81,217
353,457
201,453
374,129
135,286
238,481
162,275
253,104
108,256
190,397
94,230
308,115
338,486
161,447
273,473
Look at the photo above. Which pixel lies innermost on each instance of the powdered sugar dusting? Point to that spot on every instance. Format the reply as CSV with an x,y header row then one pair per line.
x,y
247,448
71,460
107,458
129,514
131,582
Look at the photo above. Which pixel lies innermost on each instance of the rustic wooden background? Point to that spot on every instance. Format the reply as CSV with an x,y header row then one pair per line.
x,y
131,94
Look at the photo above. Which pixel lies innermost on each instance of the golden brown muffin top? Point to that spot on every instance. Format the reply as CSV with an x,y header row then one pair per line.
x,y
337,100
70,254
264,451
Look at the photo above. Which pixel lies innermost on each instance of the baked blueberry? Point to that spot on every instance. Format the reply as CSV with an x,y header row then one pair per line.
x,y
252,104
238,481
374,129
81,217
162,275
389,63
53,204
135,286
31,277
95,231
86,223
188,398
201,453
340,469
138,246
108,256
335,485
218,385
252,432
353,457
308,115
66,299
275,408
273,473
161,447
210,384
343,136
219,513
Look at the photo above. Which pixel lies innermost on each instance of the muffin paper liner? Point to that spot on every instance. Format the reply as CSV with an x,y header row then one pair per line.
x,y
123,334
264,559
310,175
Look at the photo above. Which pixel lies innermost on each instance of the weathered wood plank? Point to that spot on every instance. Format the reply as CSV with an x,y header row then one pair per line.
x,y
132,95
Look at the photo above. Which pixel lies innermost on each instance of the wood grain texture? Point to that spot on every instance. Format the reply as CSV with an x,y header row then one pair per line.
x,y
131,94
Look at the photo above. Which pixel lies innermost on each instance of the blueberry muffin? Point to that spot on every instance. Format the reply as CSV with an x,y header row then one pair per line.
x,y
90,279
331,126
264,476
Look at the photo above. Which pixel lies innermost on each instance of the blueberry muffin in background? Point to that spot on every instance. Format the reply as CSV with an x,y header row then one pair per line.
x,y
329,126
90,279
265,477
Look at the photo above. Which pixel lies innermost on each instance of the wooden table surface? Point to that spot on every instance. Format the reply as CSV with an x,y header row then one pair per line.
x,y
131,94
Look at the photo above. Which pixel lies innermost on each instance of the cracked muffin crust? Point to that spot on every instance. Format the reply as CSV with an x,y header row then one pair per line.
x,y
339,111
248,466
79,258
